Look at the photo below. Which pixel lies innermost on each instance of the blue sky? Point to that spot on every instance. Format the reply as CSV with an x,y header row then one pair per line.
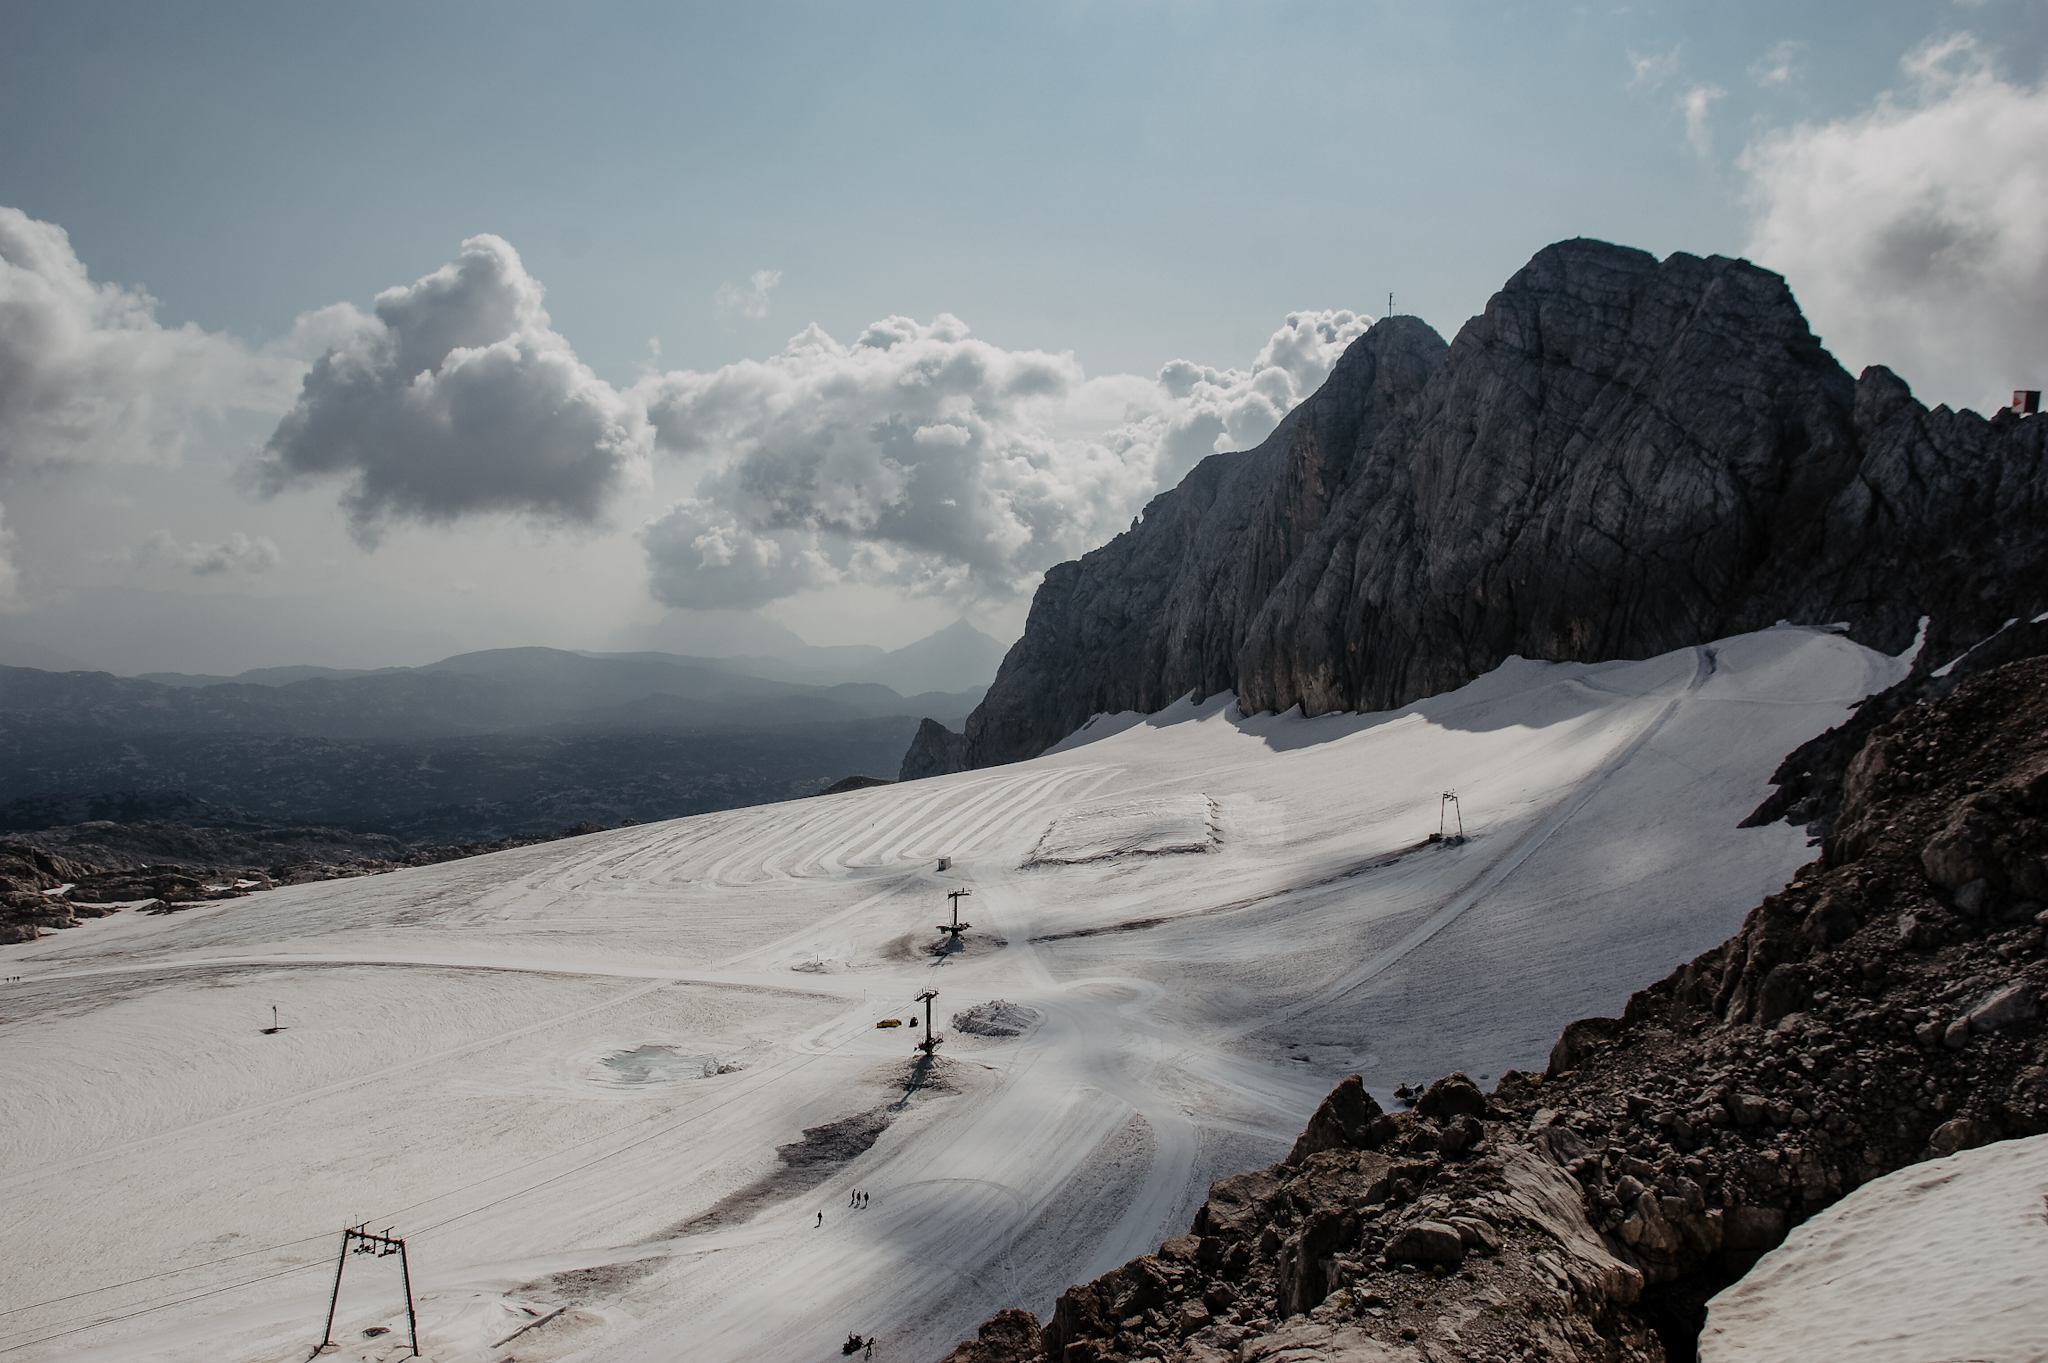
x,y
1124,184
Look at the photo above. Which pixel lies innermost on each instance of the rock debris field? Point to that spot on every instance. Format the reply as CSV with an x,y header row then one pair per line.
x,y
605,1087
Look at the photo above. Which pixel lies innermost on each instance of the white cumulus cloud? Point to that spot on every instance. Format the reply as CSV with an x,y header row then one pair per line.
x,y
1916,232
923,457
1780,63
87,373
238,553
457,398
750,299
1651,69
1697,103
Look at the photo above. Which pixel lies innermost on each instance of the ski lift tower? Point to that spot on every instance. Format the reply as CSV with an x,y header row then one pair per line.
x,y
956,927
931,1040
1446,809
363,1240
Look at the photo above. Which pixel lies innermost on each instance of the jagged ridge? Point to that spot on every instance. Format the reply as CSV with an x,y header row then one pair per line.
x,y
1620,456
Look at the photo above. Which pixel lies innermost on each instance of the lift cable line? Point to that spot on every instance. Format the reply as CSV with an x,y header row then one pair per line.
x,y
166,1303
160,1306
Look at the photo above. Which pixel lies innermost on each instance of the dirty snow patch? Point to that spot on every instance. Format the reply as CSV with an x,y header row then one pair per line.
x,y
658,1065
997,1018
1165,823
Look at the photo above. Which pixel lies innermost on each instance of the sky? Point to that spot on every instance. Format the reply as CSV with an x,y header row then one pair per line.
x,y
365,334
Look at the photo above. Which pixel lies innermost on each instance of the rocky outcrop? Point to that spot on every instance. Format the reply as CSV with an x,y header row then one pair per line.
x,y
1811,780
32,887
846,785
46,884
1163,609
1619,457
935,751
1869,1016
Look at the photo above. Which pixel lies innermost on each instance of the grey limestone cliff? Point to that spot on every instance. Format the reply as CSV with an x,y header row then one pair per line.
x,y
934,751
1620,456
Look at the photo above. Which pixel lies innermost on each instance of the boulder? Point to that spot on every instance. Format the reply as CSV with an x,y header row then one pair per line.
x,y
1343,1121
1476,1234
1428,1242
1961,1133
1236,1204
2014,1003
1454,1095
1009,1336
1460,1134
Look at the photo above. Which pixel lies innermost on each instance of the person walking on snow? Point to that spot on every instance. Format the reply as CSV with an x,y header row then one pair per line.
x,y
821,1218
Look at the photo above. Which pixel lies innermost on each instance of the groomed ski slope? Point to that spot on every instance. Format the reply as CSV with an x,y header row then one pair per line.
x,y
176,1181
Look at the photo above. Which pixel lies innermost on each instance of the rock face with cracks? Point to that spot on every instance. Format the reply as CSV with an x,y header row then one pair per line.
x,y
1620,456
1869,1016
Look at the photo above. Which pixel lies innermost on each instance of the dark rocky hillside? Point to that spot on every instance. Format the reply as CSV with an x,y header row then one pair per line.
x,y
1885,1008
445,790
1620,456
485,745
52,879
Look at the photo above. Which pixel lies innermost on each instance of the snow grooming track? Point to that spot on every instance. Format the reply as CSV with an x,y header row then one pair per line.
x,y
1503,866
437,1017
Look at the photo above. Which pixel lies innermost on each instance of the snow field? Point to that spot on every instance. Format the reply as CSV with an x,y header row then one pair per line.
x,y
444,1069
1940,1260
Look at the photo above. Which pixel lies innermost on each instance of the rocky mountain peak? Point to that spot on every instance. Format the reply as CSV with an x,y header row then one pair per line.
x,y
1618,457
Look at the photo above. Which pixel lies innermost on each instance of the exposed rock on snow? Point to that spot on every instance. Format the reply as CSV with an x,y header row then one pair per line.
x,y
1618,457
1939,1260
53,878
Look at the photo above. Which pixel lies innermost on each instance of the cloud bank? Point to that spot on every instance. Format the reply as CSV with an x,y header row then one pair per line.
x,y
1916,234
88,375
926,459
458,398
238,553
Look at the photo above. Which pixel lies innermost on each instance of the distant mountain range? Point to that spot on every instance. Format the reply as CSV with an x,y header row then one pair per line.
x,y
482,745
955,659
